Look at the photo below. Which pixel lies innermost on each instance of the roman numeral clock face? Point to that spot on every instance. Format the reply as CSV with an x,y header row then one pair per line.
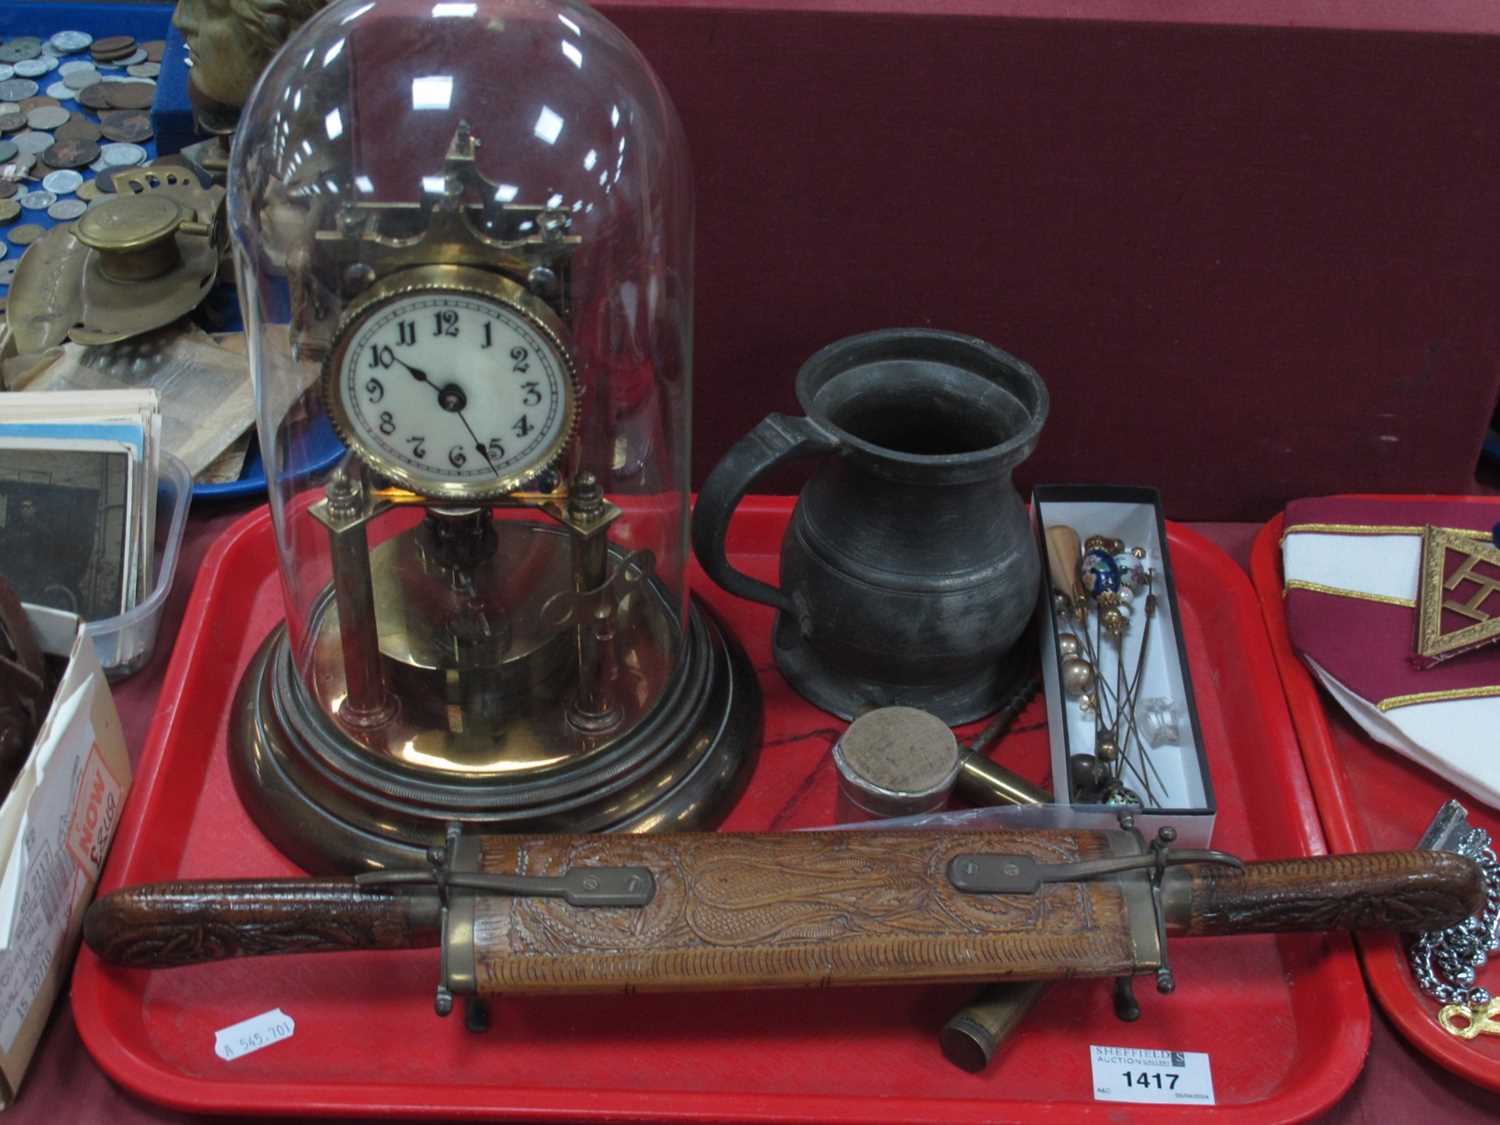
x,y
453,394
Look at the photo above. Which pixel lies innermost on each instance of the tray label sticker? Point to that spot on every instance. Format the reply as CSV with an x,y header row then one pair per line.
x,y
1127,1074
249,1036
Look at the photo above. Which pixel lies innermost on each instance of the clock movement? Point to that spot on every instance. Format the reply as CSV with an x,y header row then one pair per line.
x,y
463,240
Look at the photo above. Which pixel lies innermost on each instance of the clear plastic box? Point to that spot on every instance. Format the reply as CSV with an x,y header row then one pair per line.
x,y
124,643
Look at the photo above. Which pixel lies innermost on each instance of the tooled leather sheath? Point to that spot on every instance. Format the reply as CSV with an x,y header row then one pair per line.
x,y
777,910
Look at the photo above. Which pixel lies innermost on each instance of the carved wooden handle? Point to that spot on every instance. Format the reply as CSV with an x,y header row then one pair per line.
x,y
1409,891
168,924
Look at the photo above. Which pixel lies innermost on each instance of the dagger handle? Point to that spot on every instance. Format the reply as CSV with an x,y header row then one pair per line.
x,y
168,924
1407,891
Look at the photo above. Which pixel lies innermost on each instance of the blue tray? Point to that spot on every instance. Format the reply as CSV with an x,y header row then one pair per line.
x,y
171,116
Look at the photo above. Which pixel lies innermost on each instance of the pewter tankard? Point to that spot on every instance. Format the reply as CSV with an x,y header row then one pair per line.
x,y
908,571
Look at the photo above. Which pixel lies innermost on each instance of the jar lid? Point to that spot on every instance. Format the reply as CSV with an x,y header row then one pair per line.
x,y
898,755
131,222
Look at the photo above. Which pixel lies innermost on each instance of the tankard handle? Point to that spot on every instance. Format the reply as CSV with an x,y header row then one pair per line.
x,y
776,438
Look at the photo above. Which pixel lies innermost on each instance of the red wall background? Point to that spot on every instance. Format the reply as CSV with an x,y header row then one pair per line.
x,y
1252,261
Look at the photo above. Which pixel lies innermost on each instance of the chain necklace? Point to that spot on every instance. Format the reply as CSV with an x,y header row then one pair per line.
x,y
1445,962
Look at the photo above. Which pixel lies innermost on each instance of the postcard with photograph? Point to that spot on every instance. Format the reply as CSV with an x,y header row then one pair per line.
x,y
66,521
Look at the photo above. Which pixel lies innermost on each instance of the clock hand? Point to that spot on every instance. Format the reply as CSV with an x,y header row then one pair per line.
x,y
452,399
479,445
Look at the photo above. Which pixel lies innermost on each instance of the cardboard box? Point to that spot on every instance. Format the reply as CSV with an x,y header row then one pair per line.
x,y
1186,800
56,825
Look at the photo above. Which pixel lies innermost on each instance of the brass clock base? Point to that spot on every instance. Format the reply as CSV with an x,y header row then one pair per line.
x,y
331,806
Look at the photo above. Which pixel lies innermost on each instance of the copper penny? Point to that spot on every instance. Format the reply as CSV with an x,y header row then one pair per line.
x,y
10,122
78,129
29,104
71,154
8,188
129,95
154,49
26,234
95,96
112,43
40,170
127,125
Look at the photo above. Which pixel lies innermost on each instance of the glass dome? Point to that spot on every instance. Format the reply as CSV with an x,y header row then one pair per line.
x,y
463,235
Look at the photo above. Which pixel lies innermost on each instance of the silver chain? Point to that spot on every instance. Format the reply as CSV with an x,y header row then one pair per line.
x,y
1445,961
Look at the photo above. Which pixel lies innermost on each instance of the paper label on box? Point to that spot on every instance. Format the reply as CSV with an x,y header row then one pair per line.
x,y
1128,1074
96,808
43,880
248,1036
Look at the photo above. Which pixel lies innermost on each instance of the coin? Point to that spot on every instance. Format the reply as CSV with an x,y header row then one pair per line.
x,y
68,154
69,41
17,166
88,191
80,128
80,79
10,122
144,70
36,101
121,155
14,89
38,200
6,71
47,117
59,92
40,170
105,180
112,43
77,66
64,181
126,125
94,97
18,50
26,234
35,68
131,95
9,209
66,210
154,49
32,141
8,149
135,58
7,188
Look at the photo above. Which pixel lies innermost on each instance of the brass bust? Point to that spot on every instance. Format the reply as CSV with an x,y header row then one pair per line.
x,y
231,41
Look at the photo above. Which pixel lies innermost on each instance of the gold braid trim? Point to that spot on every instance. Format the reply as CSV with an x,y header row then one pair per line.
x,y
1340,592
1396,701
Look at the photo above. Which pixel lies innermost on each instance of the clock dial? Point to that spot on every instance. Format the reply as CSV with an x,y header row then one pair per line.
x,y
451,392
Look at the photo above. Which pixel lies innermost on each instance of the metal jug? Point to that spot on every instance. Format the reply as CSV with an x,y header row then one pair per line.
x,y
908,571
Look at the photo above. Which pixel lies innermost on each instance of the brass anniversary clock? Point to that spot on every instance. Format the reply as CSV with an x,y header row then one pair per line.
x,y
463,236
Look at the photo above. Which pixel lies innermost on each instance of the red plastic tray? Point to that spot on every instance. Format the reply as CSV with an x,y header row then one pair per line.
x,y
367,1042
1372,799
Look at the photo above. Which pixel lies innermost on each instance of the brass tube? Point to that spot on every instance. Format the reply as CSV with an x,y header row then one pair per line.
x,y
977,1030
365,702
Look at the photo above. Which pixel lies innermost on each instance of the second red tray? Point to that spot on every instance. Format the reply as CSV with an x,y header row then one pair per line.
x,y
366,1041
1372,799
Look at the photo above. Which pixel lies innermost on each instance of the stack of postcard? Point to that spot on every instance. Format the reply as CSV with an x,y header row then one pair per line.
x,y
78,498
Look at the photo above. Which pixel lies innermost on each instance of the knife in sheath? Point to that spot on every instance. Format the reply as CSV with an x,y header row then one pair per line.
x,y
608,913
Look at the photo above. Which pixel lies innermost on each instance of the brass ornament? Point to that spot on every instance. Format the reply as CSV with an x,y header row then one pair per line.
x,y
1472,591
1464,1022
130,265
